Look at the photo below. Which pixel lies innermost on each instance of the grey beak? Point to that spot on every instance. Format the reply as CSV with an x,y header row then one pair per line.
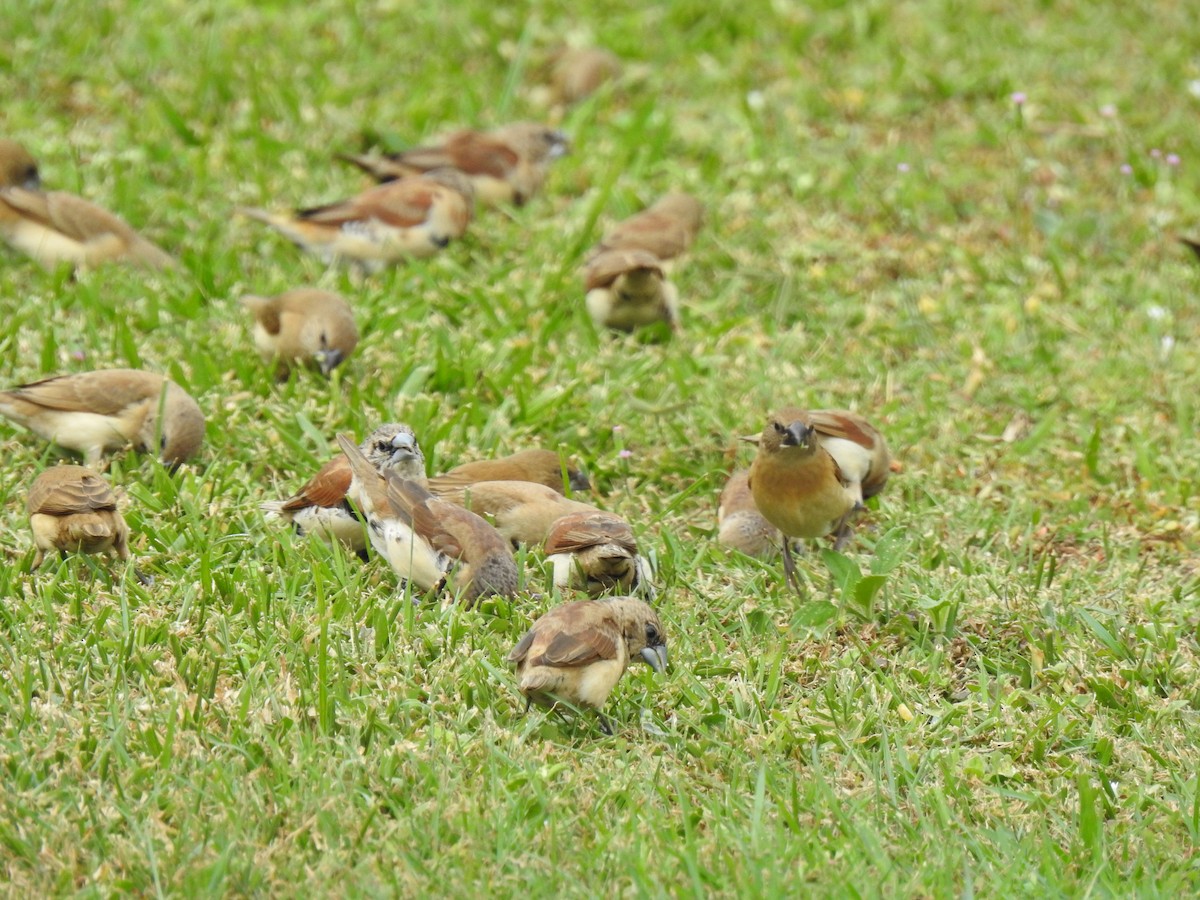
x,y
33,183
329,360
561,146
797,435
579,482
656,657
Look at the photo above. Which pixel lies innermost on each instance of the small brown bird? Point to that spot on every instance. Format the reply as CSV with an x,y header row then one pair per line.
x,y
486,565
17,167
305,326
628,289
55,227
578,72
596,552
812,472
321,506
95,412
665,230
576,653
741,526
389,528
507,165
522,511
412,217
537,466
72,510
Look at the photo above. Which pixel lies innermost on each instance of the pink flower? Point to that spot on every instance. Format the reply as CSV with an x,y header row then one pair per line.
x,y
1156,153
1126,169
1172,159
1108,111
625,454
902,167
1018,97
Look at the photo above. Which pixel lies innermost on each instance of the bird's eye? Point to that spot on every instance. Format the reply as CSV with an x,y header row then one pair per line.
x,y
162,443
779,429
324,341
651,636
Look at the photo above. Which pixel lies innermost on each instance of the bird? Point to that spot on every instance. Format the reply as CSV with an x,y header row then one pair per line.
x,y
95,412
521,511
665,230
740,525
321,506
18,168
389,529
578,72
486,565
304,326
596,552
537,466
412,217
577,652
73,510
55,226
812,472
506,165
629,289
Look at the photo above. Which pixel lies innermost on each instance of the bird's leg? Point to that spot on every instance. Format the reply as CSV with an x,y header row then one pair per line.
x,y
845,529
789,567
604,725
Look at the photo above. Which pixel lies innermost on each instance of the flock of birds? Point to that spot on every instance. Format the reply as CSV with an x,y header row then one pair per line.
x,y
810,477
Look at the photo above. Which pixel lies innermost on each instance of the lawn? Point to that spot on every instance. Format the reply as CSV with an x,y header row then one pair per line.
x,y
957,219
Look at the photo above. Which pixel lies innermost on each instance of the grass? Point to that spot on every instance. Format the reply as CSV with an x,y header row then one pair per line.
x,y
994,692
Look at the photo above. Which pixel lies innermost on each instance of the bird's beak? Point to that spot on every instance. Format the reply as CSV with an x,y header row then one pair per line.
x,y
579,482
32,183
406,447
561,145
751,438
797,435
656,657
329,360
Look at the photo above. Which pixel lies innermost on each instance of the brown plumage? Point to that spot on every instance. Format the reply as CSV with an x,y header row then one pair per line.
x,y
812,472
576,653
578,72
521,511
305,327
537,466
486,565
17,167
506,165
73,510
95,412
628,289
412,217
740,525
55,227
665,230
596,552
389,527
321,506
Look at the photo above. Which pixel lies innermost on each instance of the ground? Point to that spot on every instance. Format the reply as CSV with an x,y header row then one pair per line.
x,y
958,219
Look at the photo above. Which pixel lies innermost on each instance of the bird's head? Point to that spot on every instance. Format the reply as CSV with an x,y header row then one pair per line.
x,y
787,431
